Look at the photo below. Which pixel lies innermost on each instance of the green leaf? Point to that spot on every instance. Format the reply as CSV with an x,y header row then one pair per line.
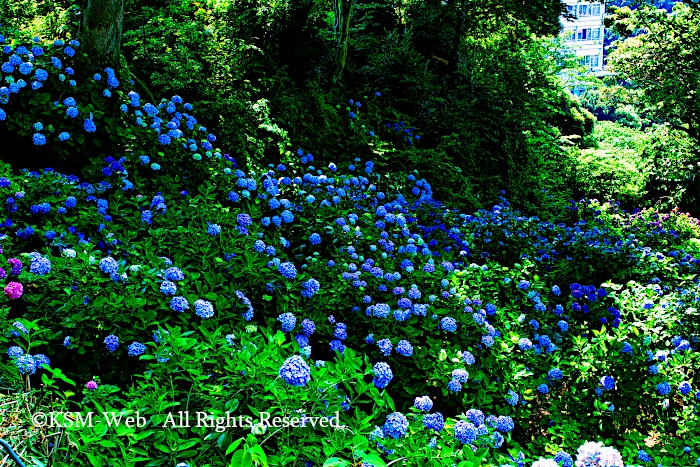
x,y
373,459
93,460
336,462
232,447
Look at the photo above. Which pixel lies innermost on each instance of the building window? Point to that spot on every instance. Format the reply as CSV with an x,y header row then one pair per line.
x,y
595,34
570,34
584,34
590,61
595,10
572,10
584,10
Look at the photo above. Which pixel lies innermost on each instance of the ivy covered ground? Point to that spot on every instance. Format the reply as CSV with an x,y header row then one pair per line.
x,y
164,278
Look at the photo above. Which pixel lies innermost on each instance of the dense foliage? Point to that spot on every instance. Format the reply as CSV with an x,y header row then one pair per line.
x,y
664,65
477,83
173,277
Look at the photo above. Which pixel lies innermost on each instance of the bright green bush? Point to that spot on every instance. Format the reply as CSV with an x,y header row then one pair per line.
x,y
616,169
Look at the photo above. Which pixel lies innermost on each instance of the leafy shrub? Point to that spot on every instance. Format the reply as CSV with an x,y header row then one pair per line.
x,y
616,169
172,280
673,158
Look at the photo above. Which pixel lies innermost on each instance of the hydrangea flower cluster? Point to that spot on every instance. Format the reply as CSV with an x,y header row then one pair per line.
x,y
401,263
295,371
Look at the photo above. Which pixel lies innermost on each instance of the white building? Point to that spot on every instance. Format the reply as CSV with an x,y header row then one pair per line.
x,y
585,33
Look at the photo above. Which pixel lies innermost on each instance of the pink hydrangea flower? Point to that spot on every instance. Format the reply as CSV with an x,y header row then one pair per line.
x,y
91,385
14,290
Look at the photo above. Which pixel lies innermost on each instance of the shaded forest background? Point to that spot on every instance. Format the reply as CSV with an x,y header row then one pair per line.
x,y
465,92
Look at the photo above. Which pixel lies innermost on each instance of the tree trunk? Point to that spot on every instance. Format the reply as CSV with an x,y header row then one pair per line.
x,y
342,13
102,30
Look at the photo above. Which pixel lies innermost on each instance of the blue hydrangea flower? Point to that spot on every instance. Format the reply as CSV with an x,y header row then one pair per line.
x,y
20,328
288,321
382,375
385,346
302,340
214,229
168,288
663,388
460,375
423,403
15,351
643,456
109,266
147,217
41,359
504,424
308,327
512,397
465,432
287,217
136,348
564,459
174,274
337,345
89,126
204,309
555,374
179,304
26,364
454,385
404,348
40,265
434,421
448,324
288,270
468,358
395,426
310,287
684,388
295,371
608,383
111,342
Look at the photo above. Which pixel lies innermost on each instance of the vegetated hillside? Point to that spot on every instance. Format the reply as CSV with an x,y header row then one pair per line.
x,y
170,277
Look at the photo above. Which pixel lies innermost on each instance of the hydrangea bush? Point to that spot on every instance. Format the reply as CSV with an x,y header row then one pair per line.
x,y
166,278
